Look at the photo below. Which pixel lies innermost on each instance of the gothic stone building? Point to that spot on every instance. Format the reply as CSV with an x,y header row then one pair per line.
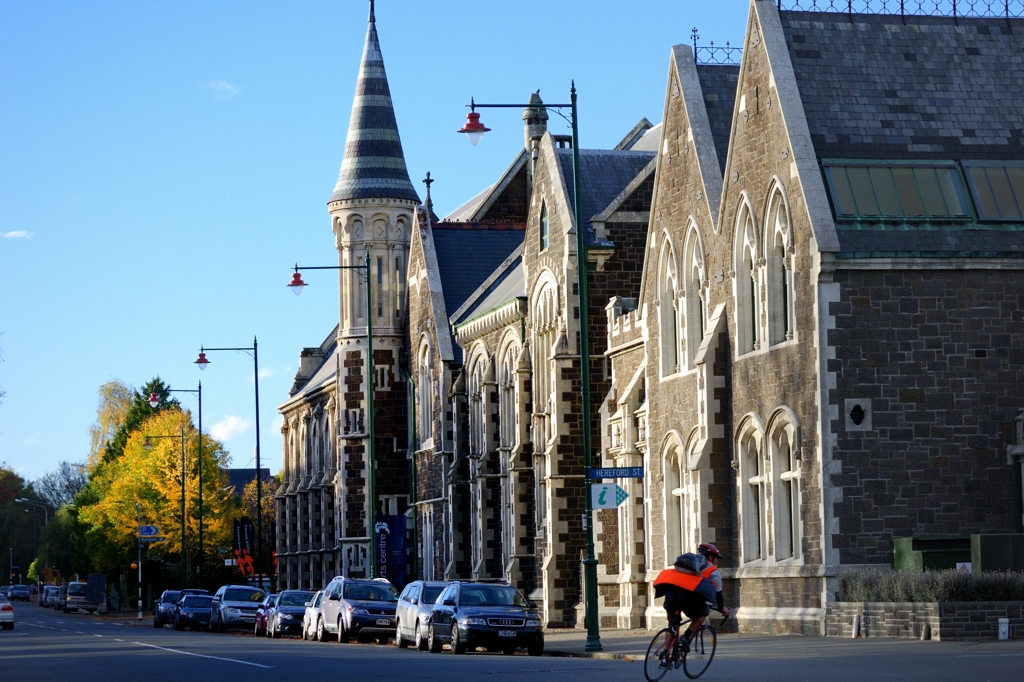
x,y
826,351
807,285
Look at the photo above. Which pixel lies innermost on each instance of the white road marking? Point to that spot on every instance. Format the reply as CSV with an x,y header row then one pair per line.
x,y
97,635
118,640
215,658
47,627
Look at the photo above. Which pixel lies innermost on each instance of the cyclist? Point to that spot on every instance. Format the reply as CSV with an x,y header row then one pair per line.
x,y
711,572
686,589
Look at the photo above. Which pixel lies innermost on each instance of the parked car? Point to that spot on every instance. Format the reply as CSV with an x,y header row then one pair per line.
x,y
311,615
6,613
234,606
287,613
412,613
21,593
357,608
74,599
262,611
192,611
163,610
496,616
49,595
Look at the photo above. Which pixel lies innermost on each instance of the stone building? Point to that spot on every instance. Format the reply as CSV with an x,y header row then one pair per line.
x,y
826,352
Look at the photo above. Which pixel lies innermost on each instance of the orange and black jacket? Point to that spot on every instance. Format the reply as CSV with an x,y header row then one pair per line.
x,y
670,579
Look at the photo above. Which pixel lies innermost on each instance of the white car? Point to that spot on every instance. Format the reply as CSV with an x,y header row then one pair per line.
x,y
6,613
312,614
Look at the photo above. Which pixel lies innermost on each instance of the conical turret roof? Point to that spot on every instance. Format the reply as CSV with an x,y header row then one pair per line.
x,y
373,166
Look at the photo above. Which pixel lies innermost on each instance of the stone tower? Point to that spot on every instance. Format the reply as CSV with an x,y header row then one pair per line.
x,y
371,212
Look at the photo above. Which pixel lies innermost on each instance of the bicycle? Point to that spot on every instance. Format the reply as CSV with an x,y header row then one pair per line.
x,y
667,651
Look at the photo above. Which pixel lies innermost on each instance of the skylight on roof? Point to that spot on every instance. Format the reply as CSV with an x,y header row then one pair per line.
x,y
902,192
998,189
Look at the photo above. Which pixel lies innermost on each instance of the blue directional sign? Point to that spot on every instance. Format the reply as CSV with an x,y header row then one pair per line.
x,y
616,472
148,531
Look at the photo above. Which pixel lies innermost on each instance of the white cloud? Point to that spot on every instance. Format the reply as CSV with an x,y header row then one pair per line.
x,y
229,427
223,89
18,234
30,441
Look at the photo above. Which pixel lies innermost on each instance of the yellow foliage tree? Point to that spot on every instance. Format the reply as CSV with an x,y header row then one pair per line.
x,y
151,477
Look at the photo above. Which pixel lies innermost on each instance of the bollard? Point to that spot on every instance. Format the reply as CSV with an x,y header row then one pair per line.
x,y
856,627
1004,628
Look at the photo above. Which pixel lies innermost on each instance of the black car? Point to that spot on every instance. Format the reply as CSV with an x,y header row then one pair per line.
x,y
495,616
286,615
21,593
166,606
367,609
193,612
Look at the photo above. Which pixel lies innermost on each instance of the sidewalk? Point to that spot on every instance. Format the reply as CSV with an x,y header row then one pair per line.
x,y
621,645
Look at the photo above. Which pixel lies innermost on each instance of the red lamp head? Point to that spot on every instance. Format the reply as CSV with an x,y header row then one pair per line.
x,y
147,444
297,284
202,361
154,400
474,129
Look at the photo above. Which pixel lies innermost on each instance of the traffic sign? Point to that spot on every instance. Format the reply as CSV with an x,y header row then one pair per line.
x,y
153,539
606,496
145,531
597,473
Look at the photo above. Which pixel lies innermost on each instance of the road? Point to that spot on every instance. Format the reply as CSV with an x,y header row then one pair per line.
x,y
77,648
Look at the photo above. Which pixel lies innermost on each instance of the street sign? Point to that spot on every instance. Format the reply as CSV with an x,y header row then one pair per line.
x,y
145,531
597,473
606,496
154,539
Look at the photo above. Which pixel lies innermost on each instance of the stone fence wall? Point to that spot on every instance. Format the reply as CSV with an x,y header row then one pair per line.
x,y
945,620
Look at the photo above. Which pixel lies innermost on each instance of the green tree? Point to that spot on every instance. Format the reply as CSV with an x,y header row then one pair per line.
x,y
16,530
139,410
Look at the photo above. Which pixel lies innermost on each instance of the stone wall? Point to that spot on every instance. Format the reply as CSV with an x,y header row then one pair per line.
x,y
945,620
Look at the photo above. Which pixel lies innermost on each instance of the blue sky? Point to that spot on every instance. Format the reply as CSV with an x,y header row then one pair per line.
x,y
162,166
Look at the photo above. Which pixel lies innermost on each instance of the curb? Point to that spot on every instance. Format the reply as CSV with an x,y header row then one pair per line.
x,y
599,655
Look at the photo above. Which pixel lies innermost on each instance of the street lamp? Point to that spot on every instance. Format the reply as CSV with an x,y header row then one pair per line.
x,y
297,285
474,131
45,507
154,402
147,445
202,362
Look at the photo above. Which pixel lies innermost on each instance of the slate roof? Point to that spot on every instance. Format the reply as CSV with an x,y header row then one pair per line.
x,y
604,174
506,284
648,142
467,254
718,83
933,243
239,478
887,87
374,165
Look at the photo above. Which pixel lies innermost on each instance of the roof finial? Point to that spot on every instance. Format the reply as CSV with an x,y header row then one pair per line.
x,y
371,11
695,37
428,181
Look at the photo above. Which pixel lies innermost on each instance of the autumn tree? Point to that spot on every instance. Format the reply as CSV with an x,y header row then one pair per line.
x,y
270,486
115,400
151,476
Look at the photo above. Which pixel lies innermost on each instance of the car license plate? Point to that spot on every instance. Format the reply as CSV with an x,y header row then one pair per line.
x,y
506,633
383,621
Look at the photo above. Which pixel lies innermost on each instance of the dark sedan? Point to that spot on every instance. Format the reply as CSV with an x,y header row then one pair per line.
x,y
21,593
193,612
494,616
368,609
286,615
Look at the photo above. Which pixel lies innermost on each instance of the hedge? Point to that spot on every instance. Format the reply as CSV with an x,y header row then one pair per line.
x,y
877,585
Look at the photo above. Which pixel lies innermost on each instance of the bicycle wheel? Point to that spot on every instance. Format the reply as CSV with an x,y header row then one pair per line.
x,y
656,663
702,650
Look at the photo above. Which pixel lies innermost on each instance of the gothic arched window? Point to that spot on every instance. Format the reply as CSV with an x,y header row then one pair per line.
x,y
746,283
778,241
668,309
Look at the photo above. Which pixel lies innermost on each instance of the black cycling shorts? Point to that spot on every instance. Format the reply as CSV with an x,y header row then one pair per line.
x,y
692,604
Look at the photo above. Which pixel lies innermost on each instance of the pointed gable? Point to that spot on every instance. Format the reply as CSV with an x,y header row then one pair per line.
x,y
374,165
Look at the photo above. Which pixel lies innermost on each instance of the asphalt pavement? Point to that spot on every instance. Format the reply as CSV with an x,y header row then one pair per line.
x,y
46,645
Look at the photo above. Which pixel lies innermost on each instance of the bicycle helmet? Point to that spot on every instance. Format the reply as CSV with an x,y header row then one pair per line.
x,y
707,549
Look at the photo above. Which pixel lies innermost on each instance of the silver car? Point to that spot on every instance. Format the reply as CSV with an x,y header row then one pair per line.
x,y
234,606
413,613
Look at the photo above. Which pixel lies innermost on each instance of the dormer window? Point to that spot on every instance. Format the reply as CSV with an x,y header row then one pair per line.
x,y
998,189
904,192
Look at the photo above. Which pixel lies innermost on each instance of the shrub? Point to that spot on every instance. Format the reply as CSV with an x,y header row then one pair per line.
x,y
874,584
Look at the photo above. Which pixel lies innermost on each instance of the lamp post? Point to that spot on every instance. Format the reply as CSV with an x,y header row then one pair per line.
x,y
474,130
296,286
154,402
138,518
147,444
46,520
202,362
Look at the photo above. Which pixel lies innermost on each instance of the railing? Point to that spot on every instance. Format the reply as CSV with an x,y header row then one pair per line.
x,y
1006,9
712,54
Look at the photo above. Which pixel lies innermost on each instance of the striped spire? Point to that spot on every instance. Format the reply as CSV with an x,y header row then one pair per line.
x,y
373,166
